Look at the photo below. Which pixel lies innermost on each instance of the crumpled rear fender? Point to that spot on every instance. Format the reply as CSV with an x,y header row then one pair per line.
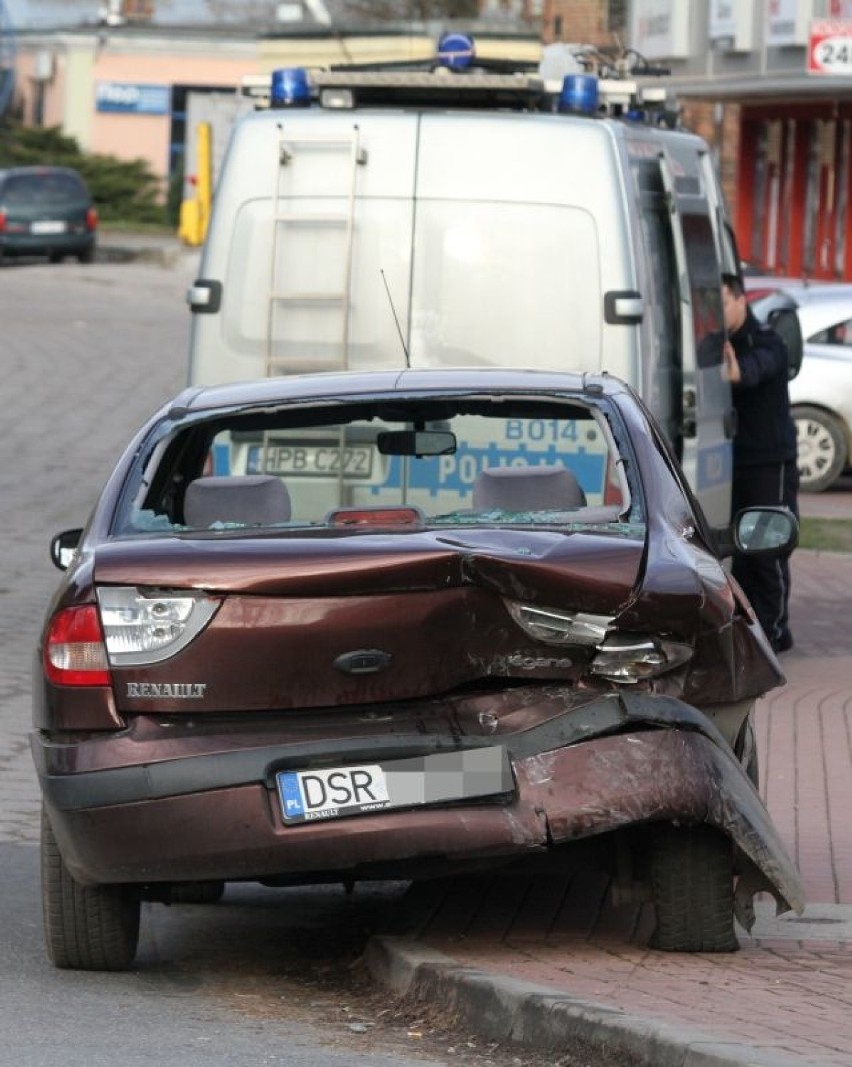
x,y
663,775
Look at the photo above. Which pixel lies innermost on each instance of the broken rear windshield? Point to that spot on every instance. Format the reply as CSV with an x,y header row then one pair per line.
x,y
394,463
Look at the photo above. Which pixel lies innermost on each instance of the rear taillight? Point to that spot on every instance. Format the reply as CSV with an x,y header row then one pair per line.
x,y
631,658
555,626
125,628
91,219
140,629
74,651
2,221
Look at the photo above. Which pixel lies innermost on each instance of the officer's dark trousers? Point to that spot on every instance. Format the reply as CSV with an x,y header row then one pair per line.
x,y
765,581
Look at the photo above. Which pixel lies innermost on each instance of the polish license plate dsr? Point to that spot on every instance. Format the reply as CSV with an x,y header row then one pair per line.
x,y
334,792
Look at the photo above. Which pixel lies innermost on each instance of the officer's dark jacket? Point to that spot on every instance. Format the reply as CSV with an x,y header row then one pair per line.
x,y
765,430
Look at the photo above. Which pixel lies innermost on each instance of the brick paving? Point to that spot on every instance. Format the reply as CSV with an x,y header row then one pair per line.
x,y
788,991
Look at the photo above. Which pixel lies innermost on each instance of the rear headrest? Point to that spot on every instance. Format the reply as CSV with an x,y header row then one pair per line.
x,y
246,498
542,488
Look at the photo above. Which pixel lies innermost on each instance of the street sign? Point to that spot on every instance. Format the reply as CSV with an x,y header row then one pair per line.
x,y
830,47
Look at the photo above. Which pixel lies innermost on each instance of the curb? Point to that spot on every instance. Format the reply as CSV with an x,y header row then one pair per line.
x,y
120,247
507,1010
161,257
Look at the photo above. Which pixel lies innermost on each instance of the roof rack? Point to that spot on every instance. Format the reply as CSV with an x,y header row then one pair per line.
x,y
460,79
424,88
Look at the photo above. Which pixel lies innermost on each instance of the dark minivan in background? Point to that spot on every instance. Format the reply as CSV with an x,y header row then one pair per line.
x,y
46,211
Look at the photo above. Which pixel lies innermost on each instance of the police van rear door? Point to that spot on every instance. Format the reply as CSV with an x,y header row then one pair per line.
x,y
706,451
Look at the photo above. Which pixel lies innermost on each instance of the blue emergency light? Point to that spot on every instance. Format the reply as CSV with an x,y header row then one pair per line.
x,y
456,51
290,88
579,94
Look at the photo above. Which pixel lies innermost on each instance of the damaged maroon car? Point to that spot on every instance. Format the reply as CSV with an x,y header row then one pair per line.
x,y
396,625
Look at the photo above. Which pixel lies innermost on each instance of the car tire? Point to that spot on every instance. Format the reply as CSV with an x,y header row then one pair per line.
x,y
56,257
87,928
87,255
692,876
823,449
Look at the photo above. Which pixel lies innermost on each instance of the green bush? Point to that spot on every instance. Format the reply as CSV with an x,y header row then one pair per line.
x,y
123,190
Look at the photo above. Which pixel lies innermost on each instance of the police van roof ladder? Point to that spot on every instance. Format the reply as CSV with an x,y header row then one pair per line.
x,y
291,149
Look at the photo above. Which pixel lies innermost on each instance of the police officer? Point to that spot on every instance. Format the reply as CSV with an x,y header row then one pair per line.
x,y
765,471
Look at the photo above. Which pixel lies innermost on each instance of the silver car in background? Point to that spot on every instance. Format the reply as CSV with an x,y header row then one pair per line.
x,y
821,393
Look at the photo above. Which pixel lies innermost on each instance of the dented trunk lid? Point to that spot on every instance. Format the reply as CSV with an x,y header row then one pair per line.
x,y
319,621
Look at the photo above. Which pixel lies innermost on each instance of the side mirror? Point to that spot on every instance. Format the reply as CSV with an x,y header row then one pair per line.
x,y
63,546
765,531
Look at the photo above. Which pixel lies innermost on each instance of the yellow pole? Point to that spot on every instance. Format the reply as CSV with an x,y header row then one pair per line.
x,y
195,211
205,176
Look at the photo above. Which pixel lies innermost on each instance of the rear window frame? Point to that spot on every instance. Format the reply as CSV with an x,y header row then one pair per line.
x,y
194,432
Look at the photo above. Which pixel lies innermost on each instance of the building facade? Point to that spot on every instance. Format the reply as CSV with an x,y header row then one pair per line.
x,y
769,84
122,89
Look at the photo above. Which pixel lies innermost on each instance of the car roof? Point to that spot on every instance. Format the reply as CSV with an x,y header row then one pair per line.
x,y
819,304
42,168
801,288
822,306
820,294
343,386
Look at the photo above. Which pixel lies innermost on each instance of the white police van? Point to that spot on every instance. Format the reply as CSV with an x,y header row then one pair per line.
x,y
463,216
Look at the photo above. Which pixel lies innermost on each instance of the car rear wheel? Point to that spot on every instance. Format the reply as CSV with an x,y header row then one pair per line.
x,y
87,255
87,928
692,874
823,452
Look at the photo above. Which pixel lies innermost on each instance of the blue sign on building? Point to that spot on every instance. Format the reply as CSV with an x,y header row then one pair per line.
x,y
133,99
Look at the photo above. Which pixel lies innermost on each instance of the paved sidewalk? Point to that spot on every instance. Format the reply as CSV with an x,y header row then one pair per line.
x,y
549,960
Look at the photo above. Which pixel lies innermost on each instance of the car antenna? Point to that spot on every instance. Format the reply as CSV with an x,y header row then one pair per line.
x,y
396,320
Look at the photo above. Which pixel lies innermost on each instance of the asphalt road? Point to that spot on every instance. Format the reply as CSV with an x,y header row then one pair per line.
x,y
87,354
266,976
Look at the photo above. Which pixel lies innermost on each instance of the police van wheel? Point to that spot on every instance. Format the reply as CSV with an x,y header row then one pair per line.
x,y
823,452
692,875
86,928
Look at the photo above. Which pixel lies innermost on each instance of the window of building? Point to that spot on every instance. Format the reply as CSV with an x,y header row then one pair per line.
x,y
616,15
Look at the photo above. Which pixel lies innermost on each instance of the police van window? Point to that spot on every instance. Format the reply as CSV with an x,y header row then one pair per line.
x,y
704,287
664,388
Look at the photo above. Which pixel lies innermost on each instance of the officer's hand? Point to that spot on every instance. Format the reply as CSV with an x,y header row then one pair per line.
x,y
730,364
